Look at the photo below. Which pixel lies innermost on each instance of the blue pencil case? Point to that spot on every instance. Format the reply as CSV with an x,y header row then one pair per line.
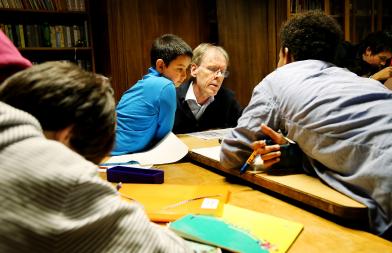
x,y
134,175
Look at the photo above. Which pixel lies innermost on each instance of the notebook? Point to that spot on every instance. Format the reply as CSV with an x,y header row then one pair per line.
x,y
202,248
276,234
168,202
239,230
217,232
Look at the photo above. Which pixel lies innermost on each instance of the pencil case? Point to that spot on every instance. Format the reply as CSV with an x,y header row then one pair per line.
x,y
134,175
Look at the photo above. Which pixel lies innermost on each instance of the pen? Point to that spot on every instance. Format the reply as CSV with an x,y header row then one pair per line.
x,y
119,163
248,162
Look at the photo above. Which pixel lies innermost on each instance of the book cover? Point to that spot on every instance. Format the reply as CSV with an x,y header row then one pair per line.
x,y
276,234
202,248
238,226
22,38
217,232
46,39
168,202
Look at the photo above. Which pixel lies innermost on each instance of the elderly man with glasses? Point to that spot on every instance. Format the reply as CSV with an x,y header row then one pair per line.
x,y
202,102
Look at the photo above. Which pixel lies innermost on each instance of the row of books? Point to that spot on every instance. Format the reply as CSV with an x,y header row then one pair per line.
x,y
298,6
83,63
49,5
45,35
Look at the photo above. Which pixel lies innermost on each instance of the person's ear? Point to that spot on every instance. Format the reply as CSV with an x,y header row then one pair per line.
x,y
160,65
193,69
63,135
368,51
287,56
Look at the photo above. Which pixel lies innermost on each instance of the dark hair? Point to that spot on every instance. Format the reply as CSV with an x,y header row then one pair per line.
x,y
168,47
311,35
60,95
377,42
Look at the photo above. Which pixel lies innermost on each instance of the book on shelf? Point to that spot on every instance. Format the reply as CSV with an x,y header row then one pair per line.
x,y
22,36
45,35
50,5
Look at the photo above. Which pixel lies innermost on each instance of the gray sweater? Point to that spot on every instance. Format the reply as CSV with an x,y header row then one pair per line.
x,y
342,123
52,199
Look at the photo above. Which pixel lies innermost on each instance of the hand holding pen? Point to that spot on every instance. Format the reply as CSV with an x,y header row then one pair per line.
x,y
269,153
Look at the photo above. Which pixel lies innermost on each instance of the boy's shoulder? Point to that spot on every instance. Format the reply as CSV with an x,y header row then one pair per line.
x,y
156,79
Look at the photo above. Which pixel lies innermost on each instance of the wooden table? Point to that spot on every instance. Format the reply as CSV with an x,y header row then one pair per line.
x,y
294,184
320,234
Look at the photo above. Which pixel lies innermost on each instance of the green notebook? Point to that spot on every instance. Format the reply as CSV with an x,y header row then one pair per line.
x,y
214,231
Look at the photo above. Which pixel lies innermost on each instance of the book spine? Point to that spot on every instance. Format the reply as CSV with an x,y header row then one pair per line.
x,y
46,35
86,37
22,38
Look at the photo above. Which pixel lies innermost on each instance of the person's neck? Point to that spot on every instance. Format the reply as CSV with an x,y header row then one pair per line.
x,y
200,98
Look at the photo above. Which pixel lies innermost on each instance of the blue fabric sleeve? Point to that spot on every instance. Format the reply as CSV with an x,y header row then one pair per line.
x,y
167,105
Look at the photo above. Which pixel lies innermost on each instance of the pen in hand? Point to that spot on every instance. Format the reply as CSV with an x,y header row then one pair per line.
x,y
248,162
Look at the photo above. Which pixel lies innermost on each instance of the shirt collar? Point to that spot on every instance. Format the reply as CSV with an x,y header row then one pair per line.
x,y
153,72
190,95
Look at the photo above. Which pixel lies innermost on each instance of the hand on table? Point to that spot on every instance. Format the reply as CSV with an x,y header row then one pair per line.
x,y
270,154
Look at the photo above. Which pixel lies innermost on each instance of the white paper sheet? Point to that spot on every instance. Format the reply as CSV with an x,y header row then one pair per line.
x,y
210,152
214,154
211,134
169,150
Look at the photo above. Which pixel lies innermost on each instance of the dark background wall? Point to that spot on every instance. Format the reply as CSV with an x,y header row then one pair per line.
x,y
124,30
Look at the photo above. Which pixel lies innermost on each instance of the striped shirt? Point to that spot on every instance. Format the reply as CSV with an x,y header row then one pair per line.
x,y
52,199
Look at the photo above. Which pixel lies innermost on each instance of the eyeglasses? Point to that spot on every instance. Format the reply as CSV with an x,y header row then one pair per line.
x,y
216,71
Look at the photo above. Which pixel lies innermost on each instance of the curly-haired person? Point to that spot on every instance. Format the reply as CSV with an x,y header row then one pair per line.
x,y
340,121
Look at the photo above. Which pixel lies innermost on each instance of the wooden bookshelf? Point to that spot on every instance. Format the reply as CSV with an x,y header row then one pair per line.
x,y
356,17
50,30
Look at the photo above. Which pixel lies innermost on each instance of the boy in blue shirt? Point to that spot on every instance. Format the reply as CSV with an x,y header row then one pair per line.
x,y
145,113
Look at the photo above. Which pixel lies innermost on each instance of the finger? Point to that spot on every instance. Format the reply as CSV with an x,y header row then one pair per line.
x,y
275,136
258,144
267,149
269,163
271,156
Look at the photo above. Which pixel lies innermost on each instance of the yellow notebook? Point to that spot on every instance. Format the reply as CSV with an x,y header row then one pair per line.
x,y
276,234
168,202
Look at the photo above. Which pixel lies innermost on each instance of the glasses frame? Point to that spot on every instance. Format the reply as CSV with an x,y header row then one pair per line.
x,y
217,73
